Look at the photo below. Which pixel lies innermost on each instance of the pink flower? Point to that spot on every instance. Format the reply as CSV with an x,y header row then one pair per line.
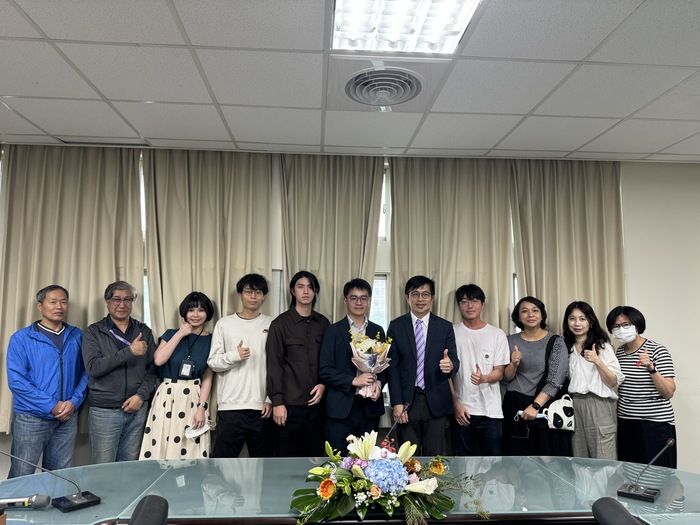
x,y
413,478
375,492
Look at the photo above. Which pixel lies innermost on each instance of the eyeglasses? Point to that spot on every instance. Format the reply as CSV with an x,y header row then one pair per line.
x,y
623,325
252,293
116,301
471,302
421,295
364,299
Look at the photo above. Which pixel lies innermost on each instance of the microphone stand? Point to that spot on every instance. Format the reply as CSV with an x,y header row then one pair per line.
x,y
635,490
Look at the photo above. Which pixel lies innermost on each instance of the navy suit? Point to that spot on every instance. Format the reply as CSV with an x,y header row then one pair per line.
x,y
347,412
402,377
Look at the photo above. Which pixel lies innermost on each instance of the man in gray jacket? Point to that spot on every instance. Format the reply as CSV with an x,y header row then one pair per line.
x,y
118,355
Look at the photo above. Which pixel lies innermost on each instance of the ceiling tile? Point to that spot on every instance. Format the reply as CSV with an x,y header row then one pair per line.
x,y
689,146
349,150
606,91
174,121
279,126
273,24
140,73
372,129
583,155
522,154
481,86
27,139
99,21
12,123
516,29
558,133
463,131
457,153
261,78
279,148
682,102
84,118
35,69
639,136
191,144
13,24
674,158
660,32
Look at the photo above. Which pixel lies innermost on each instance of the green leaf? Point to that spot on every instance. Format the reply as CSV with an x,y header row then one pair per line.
x,y
361,512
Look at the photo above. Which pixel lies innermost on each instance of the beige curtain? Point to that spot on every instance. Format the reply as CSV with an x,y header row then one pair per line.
x,y
330,217
450,222
208,224
567,220
70,217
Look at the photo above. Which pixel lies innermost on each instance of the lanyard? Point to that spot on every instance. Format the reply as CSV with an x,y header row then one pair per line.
x,y
119,338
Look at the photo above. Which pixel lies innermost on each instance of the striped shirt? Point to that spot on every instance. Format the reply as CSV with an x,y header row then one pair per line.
x,y
639,398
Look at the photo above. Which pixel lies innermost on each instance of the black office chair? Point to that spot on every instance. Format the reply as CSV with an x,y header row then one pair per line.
x,y
151,510
609,511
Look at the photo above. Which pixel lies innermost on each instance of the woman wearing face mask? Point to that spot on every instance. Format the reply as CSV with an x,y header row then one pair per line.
x,y
645,416
593,372
532,380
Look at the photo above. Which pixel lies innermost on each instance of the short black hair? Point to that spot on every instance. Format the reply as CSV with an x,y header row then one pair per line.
x,y
416,282
471,292
515,316
41,294
314,285
359,284
635,316
596,335
118,286
196,299
254,281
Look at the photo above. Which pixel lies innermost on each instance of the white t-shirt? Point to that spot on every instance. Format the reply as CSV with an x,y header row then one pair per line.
x,y
487,346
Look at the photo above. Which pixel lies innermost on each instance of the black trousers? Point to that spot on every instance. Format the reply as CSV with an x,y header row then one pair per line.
x,y
423,429
304,434
235,428
357,423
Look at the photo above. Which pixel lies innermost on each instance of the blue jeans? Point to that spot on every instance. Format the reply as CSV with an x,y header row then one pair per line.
x,y
481,438
116,435
32,436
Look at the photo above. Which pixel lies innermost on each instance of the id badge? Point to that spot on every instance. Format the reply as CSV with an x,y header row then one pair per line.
x,y
186,369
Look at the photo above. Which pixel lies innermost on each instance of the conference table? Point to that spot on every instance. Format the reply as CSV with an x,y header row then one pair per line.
x,y
520,490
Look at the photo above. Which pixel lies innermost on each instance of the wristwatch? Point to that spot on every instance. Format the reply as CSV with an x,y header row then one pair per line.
x,y
205,405
653,370
536,405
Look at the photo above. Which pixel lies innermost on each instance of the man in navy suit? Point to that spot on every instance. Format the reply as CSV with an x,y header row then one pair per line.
x,y
423,357
347,411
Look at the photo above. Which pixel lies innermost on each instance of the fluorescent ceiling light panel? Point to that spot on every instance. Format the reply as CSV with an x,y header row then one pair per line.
x,y
404,26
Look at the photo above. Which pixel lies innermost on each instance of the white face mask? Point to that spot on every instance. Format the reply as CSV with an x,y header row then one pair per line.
x,y
625,335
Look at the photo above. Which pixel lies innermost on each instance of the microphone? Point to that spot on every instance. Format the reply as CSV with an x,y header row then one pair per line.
x,y
37,501
79,500
635,490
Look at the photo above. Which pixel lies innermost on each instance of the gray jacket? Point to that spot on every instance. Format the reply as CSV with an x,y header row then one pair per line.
x,y
115,373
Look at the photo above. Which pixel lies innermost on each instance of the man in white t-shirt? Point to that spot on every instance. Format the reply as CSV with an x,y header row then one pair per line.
x,y
238,357
483,351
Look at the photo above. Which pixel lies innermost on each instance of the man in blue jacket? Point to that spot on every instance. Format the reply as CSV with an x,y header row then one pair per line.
x,y
45,373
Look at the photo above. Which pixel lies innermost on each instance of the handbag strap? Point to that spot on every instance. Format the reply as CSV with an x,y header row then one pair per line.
x,y
547,355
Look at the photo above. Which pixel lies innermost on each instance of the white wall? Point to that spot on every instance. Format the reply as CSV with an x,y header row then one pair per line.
x,y
661,216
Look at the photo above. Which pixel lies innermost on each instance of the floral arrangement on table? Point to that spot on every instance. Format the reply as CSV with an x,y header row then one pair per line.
x,y
379,477
370,356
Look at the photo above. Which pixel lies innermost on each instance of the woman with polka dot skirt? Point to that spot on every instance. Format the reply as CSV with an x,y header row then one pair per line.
x,y
181,400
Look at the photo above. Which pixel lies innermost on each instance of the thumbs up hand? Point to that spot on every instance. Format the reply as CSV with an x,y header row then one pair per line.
x,y
138,347
243,351
445,363
477,377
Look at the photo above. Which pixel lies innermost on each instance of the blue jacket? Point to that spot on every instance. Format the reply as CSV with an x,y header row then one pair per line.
x,y
35,370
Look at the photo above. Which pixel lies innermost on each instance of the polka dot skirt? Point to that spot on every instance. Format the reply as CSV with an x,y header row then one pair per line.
x,y
172,411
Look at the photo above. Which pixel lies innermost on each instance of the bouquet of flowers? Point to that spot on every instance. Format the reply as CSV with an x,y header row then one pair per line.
x,y
370,355
374,476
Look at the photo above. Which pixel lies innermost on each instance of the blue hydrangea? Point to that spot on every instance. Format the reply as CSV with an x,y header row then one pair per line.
x,y
388,474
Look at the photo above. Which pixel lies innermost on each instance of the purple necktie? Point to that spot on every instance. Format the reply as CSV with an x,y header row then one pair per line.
x,y
420,354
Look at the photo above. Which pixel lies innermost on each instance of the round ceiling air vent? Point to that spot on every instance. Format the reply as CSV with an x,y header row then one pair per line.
x,y
383,87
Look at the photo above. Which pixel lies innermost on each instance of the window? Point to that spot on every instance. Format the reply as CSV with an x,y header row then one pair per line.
x,y
379,313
